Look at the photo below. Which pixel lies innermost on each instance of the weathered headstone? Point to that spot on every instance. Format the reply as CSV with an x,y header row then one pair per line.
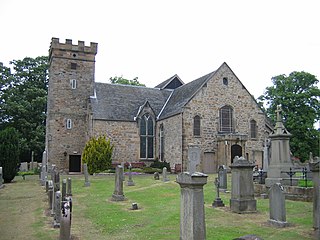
x,y
134,206
242,190
192,219
277,206
222,177
57,210
1,178
118,189
24,167
314,168
130,181
193,159
156,176
50,193
266,154
164,175
69,189
65,221
43,172
56,181
64,190
280,162
218,201
86,175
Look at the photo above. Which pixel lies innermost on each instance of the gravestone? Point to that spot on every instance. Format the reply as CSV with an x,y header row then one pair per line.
x,y
1,178
24,167
192,219
130,181
43,169
266,154
242,190
134,206
156,176
118,189
280,162
193,159
65,221
69,190
277,206
222,177
50,193
57,210
314,168
64,190
86,175
164,175
218,201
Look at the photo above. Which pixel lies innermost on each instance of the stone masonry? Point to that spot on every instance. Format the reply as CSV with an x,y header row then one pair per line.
x,y
67,63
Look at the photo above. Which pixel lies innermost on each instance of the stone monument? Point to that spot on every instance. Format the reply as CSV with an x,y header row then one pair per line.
x,y
192,219
218,201
280,161
314,168
222,177
1,179
277,206
86,175
164,175
118,189
193,158
130,181
242,190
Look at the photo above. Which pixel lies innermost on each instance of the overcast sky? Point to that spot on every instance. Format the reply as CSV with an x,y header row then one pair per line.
x,y
153,40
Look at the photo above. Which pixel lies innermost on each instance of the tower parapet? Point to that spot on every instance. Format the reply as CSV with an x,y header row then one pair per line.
x,y
71,51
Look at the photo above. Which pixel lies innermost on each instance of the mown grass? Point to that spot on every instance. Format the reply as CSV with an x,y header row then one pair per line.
x,y
23,205
159,213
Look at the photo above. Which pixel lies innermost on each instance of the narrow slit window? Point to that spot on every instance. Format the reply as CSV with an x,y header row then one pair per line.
x,y
253,129
73,83
74,66
69,123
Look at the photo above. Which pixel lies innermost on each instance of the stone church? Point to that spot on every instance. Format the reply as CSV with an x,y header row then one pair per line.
x,y
214,112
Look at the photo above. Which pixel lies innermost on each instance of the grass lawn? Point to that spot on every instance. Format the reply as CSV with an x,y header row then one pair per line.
x,y
96,217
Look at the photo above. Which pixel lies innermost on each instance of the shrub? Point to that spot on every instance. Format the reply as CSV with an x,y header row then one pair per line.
x,y
98,154
151,170
161,165
9,153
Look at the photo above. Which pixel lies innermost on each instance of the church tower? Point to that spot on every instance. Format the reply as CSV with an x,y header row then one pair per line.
x,y
71,80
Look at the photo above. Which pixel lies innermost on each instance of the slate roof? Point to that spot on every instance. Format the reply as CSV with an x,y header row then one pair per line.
x,y
121,102
182,95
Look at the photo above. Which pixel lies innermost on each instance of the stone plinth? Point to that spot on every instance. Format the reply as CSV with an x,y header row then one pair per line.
x,y
242,190
192,219
314,168
118,189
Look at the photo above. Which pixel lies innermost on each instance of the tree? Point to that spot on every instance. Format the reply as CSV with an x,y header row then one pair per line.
x,y
23,98
121,80
98,154
298,96
9,153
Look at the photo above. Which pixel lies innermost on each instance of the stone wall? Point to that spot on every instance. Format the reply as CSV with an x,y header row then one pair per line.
x,y
172,139
124,136
68,64
207,102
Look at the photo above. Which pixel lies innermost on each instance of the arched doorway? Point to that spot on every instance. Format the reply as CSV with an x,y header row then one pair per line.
x,y
236,150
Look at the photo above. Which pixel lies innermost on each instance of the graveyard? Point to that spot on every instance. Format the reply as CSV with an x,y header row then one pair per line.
x,y
25,213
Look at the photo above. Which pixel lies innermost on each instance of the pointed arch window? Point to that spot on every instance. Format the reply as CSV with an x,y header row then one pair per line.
x,y
226,119
253,129
146,137
196,125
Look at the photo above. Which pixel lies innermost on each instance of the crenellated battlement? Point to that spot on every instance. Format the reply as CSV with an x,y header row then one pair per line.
x,y
69,50
55,43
